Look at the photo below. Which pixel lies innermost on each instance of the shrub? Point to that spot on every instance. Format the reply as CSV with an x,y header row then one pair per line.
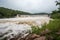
x,y
54,25
35,30
55,16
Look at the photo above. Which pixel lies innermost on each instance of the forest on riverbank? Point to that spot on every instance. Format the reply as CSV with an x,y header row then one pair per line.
x,y
8,13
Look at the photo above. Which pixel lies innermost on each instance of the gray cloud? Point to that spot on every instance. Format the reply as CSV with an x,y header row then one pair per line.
x,y
30,5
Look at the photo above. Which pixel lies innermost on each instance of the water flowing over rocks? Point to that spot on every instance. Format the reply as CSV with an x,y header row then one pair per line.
x,y
11,30
19,28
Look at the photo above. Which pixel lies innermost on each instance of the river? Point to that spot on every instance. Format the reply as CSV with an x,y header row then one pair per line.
x,y
10,27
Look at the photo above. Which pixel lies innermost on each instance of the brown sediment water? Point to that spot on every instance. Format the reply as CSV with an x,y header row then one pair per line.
x,y
14,26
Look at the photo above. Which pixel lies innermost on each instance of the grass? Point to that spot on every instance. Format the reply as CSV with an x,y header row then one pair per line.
x,y
35,30
53,26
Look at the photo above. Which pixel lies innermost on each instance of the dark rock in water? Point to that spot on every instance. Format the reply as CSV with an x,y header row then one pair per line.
x,y
13,39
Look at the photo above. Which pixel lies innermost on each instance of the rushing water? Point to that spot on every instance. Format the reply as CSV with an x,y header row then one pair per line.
x,y
11,30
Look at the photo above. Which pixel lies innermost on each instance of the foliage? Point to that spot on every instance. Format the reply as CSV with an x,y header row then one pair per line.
x,y
35,30
55,14
6,13
53,26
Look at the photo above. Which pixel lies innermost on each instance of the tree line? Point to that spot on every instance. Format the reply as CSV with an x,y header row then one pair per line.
x,y
7,13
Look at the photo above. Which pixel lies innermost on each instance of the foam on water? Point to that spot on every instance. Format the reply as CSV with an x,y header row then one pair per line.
x,y
7,29
10,29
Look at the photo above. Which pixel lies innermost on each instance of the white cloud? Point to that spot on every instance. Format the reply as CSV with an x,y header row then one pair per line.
x,y
31,5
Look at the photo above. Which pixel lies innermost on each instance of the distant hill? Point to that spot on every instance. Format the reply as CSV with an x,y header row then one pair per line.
x,y
40,14
6,13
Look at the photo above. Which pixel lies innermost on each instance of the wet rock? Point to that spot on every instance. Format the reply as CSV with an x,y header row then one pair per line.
x,y
13,39
35,36
41,38
32,37
50,37
58,32
28,37
44,32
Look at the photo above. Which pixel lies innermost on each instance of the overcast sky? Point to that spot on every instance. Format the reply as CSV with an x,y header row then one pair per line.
x,y
32,6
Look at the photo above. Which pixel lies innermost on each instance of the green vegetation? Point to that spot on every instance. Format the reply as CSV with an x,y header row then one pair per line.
x,y
6,13
53,32
55,14
53,27
35,30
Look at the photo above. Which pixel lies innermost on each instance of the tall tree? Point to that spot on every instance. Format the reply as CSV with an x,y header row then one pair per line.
x,y
58,3
56,14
